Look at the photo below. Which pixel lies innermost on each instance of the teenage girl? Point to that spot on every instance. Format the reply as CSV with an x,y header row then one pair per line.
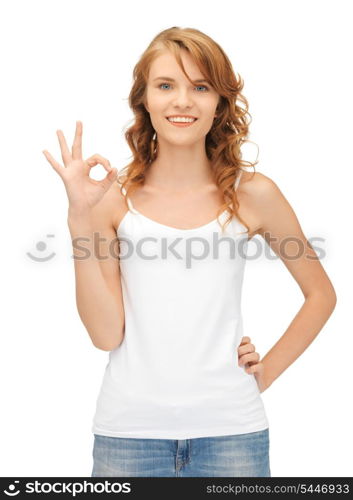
x,y
181,394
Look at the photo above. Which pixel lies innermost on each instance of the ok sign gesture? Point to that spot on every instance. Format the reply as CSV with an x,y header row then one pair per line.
x,y
83,192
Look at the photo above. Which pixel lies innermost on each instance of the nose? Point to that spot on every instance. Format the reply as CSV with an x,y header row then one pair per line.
x,y
182,99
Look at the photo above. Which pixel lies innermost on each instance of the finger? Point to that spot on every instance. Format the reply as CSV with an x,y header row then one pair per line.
x,y
248,358
246,348
56,166
98,159
108,179
77,144
245,340
65,153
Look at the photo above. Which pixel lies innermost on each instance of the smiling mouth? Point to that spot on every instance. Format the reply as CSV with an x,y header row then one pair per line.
x,y
167,118
181,123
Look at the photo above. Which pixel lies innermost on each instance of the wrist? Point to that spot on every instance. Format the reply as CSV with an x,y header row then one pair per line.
x,y
79,223
78,214
267,378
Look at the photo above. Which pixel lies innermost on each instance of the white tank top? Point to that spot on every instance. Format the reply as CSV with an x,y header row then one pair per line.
x,y
176,374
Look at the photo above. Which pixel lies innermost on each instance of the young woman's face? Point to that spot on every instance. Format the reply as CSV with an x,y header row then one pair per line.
x,y
179,97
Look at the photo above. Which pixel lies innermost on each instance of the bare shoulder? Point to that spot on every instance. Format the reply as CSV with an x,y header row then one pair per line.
x,y
256,184
261,195
254,191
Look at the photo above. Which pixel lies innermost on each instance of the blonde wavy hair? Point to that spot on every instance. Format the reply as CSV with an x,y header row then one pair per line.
x,y
230,127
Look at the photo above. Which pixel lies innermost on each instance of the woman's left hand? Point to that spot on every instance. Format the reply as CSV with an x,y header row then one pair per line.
x,y
248,358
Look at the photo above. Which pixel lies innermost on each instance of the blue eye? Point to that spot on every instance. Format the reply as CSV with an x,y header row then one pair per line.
x,y
204,86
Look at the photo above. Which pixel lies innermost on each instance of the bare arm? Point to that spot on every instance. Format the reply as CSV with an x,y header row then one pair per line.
x,y
98,288
97,274
278,223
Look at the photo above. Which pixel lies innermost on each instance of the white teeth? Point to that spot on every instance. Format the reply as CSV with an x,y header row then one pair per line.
x,y
181,119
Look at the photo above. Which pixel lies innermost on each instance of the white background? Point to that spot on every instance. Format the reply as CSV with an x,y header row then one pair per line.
x,y
73,60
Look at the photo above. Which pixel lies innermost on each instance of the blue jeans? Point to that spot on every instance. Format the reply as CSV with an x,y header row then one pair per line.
x,y
239,455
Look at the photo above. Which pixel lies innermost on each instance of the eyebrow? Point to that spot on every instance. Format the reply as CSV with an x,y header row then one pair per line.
x,y
172,79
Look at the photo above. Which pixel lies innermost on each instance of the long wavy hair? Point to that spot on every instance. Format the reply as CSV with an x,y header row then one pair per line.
x,y
230,126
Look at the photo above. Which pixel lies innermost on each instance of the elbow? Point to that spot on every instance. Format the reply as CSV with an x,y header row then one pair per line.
x,y
331,297
107,347
327,295
101,347
111,345
334,299
104,348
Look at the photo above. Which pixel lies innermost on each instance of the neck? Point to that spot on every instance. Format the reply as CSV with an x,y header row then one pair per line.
x,y
180,168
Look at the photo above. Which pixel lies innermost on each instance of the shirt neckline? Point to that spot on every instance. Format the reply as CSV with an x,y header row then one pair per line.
x,y
176,228
172,228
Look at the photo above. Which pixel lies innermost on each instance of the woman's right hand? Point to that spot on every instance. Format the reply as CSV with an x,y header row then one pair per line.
x,y
83,192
